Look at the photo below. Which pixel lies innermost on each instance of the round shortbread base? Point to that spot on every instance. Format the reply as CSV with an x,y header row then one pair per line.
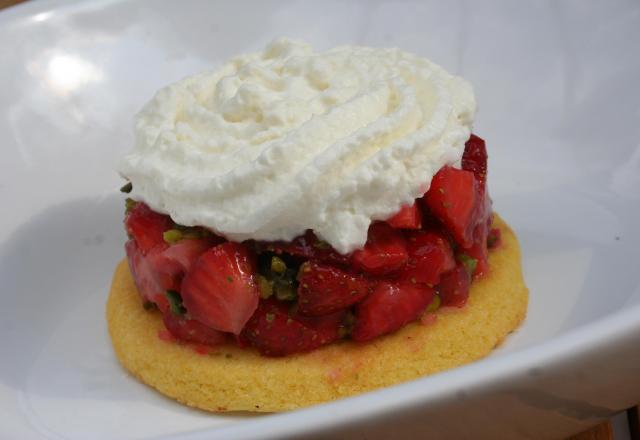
x,y
232,379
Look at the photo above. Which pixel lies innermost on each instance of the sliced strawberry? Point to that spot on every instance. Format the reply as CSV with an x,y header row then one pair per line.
x,y
430,255
190,330
146,226
454,287
409,217
453,199
389,307
305,247
385,251
474,158
325,289
275,332
220,290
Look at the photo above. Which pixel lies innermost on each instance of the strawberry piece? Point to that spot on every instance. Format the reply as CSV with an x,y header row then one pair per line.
x,y
163,267
389,307
409,217
325,289
219,290
190,330
146,226
474,158
275,332
385,251
430,255
479,252
152,274
305,247
453,199
454,287
479,249
186,252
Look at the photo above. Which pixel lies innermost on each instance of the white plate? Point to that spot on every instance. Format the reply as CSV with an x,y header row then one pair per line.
x,y
559,106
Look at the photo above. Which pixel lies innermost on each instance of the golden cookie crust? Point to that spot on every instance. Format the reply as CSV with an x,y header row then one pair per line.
x,y
232,379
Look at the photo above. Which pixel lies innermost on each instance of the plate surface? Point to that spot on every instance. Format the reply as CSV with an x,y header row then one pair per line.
x,y
557,84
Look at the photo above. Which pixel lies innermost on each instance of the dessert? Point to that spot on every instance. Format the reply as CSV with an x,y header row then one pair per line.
x,y
306,226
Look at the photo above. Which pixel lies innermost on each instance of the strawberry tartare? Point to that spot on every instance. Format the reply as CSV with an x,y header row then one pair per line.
x,y
287,297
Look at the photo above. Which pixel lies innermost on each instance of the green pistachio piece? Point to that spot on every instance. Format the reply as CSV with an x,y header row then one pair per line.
x,y
172,236
470,263
126,188
265,287
278,265
435,304
175,302
148,305
284,291
129,204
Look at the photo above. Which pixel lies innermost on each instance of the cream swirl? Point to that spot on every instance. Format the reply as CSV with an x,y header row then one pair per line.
x,y
285,140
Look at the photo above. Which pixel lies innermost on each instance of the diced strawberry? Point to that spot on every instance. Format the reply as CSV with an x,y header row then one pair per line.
x,y
275,332
389,307
190,330
185,252
220,290
453,199
146,226
385,251
479,248
152,273
409,217
163,266
454,287
305,247
325,289
430,255
474,158
479,252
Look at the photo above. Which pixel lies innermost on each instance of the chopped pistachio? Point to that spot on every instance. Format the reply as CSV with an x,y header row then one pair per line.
x,y
172,236
321,244
470,263
284,291
493,239
265,287
126,188
278,265
435,304
270,317
129,204
175,302
148,305
347,325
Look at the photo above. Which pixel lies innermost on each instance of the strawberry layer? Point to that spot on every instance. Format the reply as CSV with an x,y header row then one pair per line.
x,y
289,297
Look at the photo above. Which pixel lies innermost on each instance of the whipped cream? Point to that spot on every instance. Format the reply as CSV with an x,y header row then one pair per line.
x,y
288,139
